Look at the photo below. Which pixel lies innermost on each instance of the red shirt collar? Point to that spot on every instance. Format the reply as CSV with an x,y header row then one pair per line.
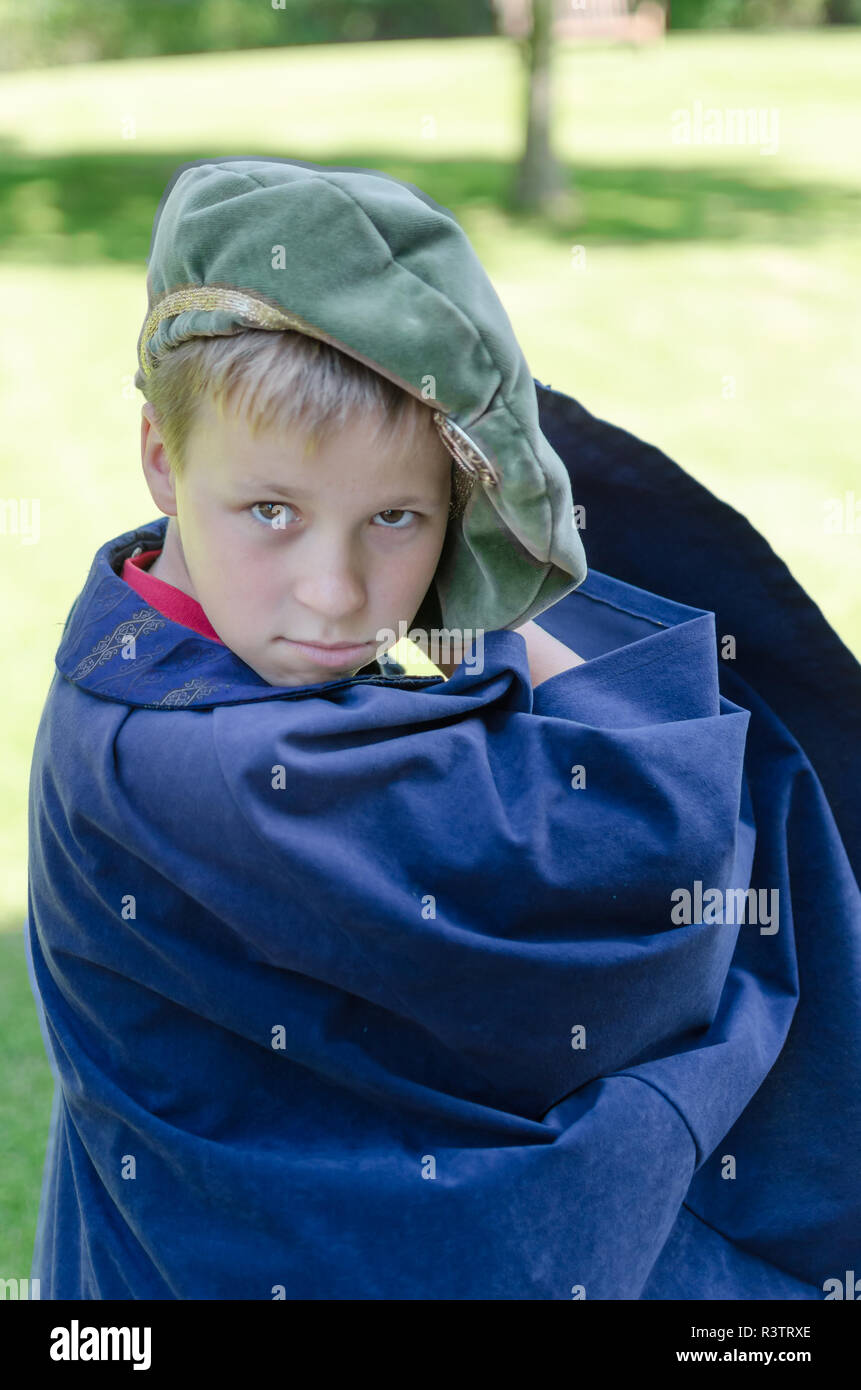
x,y
166,598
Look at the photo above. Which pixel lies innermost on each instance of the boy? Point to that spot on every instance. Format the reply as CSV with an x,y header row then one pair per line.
x,y
360,984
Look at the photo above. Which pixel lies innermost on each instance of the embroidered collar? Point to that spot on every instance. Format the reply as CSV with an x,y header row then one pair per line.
x,y
117,646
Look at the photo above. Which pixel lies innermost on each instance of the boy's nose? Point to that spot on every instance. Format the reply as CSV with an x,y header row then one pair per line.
x,y
331,593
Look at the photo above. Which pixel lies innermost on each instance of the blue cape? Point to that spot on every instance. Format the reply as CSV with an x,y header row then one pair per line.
x,y
399,988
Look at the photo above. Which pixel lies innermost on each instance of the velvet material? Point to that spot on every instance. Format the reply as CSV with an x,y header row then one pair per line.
x,y
372,989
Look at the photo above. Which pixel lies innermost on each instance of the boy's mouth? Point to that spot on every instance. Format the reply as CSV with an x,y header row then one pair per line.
x,y
331,653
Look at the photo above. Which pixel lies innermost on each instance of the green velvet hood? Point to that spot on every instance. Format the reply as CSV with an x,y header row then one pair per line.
x,y
375,267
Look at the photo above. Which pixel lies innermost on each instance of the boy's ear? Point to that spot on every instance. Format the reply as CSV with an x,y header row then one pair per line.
x,y
156,467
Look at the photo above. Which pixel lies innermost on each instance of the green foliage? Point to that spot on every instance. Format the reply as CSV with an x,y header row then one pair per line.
x,y
843,11
43,33
760,14
48,32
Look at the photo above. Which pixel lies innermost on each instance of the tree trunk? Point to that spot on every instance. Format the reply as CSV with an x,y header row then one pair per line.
x,y
541,184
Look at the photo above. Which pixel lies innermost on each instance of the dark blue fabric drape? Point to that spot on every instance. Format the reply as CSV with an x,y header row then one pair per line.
x,y
383,988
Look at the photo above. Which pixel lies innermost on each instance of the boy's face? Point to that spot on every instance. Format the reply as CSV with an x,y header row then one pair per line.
x,y
284,545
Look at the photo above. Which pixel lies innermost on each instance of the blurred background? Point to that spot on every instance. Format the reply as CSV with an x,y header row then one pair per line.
x,y
666,198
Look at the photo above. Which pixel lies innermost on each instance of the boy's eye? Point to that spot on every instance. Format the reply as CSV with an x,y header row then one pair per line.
x,y
279,521
396,511
272,521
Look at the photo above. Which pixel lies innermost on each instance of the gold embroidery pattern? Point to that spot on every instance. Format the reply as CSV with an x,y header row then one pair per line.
x,y
139,624
258,313
189,693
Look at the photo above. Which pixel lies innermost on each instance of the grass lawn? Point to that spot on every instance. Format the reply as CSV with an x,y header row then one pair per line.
x,y
708,299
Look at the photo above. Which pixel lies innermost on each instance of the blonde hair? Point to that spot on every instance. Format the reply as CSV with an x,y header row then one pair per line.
x,y
282,380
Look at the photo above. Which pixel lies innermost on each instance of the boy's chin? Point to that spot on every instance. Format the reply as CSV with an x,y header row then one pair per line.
x,y
286,676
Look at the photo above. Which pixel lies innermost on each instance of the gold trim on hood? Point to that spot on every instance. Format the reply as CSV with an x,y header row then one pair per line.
x,y
260,313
